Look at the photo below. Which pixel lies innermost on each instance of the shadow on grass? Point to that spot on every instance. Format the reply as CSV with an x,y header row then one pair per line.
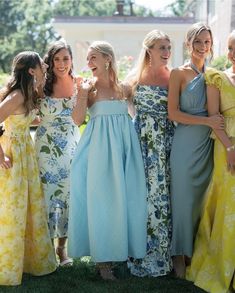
x,y
83,278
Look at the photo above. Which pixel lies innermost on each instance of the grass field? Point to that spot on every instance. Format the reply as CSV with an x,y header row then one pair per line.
x,y
83,278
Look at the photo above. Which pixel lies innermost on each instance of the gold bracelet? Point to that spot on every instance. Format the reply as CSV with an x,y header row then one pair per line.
x,y
231,148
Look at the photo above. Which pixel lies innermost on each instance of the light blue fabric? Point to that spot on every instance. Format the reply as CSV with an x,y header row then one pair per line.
x,y
108,213
191,165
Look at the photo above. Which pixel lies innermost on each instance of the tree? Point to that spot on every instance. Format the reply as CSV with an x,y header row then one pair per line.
x,y
96,8
85,7
179,7
221,63
24,25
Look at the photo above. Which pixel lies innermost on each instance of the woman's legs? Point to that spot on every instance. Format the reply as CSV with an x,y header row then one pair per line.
x,y
105,270
179,265
61,251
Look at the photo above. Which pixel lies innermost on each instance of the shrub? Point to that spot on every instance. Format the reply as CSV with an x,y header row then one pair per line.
x,y
221,63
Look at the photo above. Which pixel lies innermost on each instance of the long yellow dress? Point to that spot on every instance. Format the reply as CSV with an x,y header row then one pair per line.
x,y
25,244
213,262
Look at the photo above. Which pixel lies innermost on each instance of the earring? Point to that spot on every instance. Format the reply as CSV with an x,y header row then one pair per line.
x,y
106,65
150,61
35,83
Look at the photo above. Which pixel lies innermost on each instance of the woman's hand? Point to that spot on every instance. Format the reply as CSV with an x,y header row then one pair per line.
x,y
86,86
231,161
216,122
5,161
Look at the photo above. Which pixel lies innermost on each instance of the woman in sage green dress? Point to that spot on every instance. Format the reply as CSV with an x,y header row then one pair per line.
x,y
191,155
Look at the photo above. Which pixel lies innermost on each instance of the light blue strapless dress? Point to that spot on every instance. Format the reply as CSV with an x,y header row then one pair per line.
x,y
191,165
108,213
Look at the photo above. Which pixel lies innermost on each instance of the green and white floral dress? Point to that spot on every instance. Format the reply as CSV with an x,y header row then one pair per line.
x,y
56,139
155,133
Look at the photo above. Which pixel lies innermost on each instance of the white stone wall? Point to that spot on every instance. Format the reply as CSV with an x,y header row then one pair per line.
x,y
125,37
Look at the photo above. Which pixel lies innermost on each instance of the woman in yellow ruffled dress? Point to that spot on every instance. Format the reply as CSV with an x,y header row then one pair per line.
x,y
25,244
213,262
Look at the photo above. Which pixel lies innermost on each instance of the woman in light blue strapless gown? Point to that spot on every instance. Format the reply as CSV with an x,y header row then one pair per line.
x,y
108,216
191,159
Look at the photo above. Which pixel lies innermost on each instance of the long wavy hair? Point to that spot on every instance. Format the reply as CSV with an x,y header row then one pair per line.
x,y
106,50
144,58
48,59
22,80
193,32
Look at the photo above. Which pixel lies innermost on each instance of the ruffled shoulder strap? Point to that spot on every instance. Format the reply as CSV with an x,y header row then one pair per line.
x,y
214,77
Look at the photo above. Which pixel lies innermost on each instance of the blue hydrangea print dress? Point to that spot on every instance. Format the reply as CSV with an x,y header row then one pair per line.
x,y
155,133
56,139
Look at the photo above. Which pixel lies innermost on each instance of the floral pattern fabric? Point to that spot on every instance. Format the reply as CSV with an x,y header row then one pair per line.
x,y
56,139
155,133
213,263
25,244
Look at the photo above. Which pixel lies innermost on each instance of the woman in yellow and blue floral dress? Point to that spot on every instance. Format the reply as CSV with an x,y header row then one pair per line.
x,y
213,262
25,244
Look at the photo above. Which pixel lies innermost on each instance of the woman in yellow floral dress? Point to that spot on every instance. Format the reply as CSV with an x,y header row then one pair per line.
x,y
213,262
25,244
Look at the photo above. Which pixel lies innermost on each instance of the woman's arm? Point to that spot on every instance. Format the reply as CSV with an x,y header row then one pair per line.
x,y
174,112
80,108
213,101
128,93
9,106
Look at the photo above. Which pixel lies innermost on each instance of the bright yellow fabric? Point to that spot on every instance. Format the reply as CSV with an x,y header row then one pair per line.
x,y
25,245
213,262
227,98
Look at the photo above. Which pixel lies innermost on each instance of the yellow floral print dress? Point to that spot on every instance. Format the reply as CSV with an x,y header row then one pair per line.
x,y
213,262
25,244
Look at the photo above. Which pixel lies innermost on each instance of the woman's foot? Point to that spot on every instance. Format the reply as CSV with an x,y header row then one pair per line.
x,y
179,266
64,259
105,271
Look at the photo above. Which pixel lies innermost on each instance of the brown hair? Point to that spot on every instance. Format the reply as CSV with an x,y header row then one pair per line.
x,y
21,78
48,59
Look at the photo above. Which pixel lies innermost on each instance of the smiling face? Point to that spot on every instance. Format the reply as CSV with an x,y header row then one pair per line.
x,y
96,61
201,45
62,63
160,52
231,49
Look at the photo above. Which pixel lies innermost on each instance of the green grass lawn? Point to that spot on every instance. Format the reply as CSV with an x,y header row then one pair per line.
x,y
82,277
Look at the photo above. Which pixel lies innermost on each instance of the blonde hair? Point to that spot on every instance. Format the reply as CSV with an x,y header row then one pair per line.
x,y
193,32
144,58
231,35
106,50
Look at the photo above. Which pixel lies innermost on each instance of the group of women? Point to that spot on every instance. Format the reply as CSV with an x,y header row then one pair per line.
x,y
157,192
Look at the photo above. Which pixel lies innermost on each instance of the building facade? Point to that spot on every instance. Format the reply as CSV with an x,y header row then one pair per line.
x,y
125,33
219,15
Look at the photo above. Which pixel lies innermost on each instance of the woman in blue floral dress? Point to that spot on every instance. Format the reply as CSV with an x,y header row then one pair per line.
x,y
155,131
56,139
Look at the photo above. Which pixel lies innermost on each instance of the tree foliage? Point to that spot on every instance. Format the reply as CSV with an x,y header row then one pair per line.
x,y
85,7
24,25
221,63
27,24
179,7
96,8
